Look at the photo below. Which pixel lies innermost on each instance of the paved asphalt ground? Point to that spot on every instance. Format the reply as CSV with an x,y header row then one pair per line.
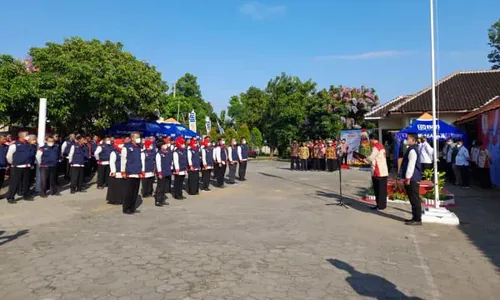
x,y
274,236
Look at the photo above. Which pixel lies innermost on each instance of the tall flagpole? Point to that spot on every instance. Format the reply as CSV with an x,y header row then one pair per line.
x,y
434,123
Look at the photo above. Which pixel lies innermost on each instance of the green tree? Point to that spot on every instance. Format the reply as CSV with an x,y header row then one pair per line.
x,y
249,107
18,92
244,132
494,37
288,97
91,85
188,97
214,134
323,121
256,139
229,134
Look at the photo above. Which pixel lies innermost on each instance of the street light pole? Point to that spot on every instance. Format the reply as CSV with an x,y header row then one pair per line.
x,y
434,110
178,102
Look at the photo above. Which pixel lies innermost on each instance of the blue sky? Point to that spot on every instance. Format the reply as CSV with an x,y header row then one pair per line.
x,y
231,44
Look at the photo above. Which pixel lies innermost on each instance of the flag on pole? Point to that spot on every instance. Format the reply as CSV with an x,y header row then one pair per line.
x,y
192,121
221,130
208,124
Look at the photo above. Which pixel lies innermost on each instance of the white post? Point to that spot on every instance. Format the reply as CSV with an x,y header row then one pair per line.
x,y
42,120
434,111
178,103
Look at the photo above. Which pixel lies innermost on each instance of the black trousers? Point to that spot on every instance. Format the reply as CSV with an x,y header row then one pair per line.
x,y
161,189
484,177
316,164
242,170
2,177
147,186
426,167
344,159
322,163
168,184
330,163
412,190
48,180
303,164
19,176
130,193
193,182
102,175
219,174
178,185
205,178
67,169
294,163
77,174
116,187
232,172
449,172
464,172
380,188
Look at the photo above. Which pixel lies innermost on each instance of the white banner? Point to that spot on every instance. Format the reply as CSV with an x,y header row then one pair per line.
x,y
192,121
208,124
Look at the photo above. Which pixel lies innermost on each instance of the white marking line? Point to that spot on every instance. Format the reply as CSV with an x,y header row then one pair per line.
x,y
428,276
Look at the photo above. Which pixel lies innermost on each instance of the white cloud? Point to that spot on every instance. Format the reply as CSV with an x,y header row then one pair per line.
x,y
259,11
366,55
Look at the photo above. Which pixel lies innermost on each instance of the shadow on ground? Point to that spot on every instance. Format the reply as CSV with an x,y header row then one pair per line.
x,y
479,211
4,239
369,285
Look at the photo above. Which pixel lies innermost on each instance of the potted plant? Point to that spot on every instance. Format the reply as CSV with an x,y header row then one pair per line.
x,y
445,198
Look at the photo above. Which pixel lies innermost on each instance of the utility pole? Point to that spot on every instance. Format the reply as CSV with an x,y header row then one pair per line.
x,y
178,102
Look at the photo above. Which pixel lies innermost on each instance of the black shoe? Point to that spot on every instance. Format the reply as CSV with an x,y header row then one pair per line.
x,y
413,223
128,212
12,201
158,204
43,196
82,191
408,220
29,198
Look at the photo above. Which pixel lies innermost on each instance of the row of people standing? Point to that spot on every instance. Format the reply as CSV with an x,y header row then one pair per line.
x,y
132,164
318,156
79,153
459,163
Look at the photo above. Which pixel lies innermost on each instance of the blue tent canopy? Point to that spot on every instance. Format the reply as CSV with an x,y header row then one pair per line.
x,y
423,127
151,129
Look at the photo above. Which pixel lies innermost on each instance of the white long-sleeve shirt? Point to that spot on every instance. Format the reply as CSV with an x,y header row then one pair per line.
x,y
10,153
112,165
240,157
463,157
412,161
230,157
204,158
217,155
190,160
426,153
70,157
176,164
63,147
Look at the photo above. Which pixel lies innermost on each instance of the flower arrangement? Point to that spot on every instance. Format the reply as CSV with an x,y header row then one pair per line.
x,y
355,102
429,175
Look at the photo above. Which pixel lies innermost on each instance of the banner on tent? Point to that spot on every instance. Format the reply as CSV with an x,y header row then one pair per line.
x,y
192,121
489,134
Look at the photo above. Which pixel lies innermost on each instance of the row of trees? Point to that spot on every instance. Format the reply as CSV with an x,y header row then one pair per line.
x,y
291,109
92,85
